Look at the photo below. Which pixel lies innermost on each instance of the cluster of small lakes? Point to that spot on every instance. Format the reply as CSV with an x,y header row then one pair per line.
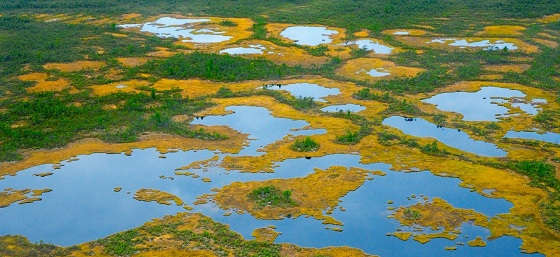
x,y
95,194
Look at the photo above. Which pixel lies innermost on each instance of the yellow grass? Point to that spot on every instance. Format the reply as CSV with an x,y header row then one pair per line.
x,y
313,194
161,142
357,69
75,66
550,18
411,32
501,30
130,86
132,61
44,85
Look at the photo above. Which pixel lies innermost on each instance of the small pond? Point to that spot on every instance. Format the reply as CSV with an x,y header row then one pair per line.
x,y
371,45
181,28
317,92
483,105
252,49
344,108
308,35
379,72
484,44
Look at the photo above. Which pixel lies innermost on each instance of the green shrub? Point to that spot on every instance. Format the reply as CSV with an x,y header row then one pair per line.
x,y
305,145
432,149
319,50
271,196
348,138
121,244
228,23
412,214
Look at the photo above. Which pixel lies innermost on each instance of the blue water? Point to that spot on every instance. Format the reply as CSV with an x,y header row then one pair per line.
x,y
344,108
549,137
314,91
452,137
83,206
262,127
482,105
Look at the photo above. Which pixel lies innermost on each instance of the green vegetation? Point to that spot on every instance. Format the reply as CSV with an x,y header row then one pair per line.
x,y
228,23
388,139
492,126
121,244
542,175
348,138
371,14
547,118
433,149
216,67
215,237
271,196
305,145
319,50
542,71
412,214
396,106
26,248
27,41
53,121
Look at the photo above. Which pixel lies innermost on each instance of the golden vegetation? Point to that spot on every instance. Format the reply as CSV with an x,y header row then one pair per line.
x,y
267,234
130,86
289,55
132,61
437,215
358,69
313,194
522,46
502,30
405,32
161,142
477,242
10,196
550,18
75,66
153,195
43,84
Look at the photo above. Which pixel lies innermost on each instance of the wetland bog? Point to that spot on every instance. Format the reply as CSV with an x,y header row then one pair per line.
x,y
278,129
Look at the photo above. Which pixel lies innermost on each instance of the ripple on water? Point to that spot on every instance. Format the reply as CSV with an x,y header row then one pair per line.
x,y
452,137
